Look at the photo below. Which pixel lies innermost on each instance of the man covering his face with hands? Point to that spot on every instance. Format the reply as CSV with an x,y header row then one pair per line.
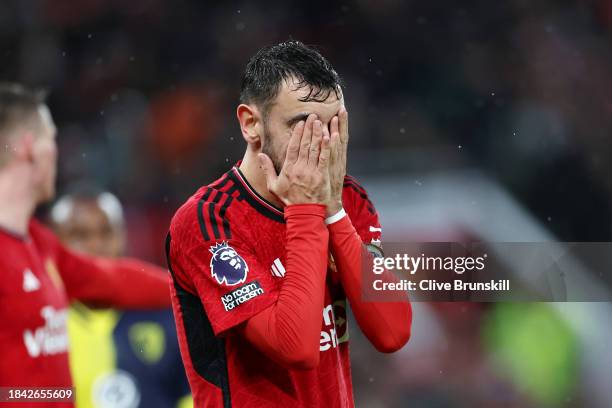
x,y
265,258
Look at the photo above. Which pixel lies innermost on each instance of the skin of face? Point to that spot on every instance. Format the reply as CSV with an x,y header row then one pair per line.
x,y
44,156
286,111
89,230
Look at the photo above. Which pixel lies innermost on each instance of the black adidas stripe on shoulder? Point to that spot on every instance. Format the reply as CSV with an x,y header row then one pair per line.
x,y
351,182
212,214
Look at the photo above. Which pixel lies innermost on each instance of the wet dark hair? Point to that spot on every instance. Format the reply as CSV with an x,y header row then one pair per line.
x,y
271,65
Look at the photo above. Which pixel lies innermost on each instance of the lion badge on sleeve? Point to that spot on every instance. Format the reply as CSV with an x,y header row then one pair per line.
x,y
226,265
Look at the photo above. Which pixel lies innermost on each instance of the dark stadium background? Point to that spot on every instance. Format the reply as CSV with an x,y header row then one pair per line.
x,y
507,99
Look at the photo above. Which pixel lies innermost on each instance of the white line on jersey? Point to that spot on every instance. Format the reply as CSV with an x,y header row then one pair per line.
x,y
277,268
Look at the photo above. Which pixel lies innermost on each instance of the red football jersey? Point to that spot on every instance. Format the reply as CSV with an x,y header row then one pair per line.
x,y
226,253
33,306
39,277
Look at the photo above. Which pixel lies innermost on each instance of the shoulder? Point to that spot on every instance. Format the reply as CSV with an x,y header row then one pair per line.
x,y
206,213
37,228
361,211
41,234
354,195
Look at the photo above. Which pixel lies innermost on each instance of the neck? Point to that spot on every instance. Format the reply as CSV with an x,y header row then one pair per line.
x,y
17,202
256,177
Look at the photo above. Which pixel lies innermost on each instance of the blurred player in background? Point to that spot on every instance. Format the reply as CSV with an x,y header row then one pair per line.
x,y
260,305
39,275
137,362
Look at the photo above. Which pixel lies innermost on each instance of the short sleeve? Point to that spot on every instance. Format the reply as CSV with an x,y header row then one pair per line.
x,y
224,271
362,213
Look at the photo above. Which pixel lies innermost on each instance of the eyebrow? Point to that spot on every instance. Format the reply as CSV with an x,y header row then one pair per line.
x,y
295,119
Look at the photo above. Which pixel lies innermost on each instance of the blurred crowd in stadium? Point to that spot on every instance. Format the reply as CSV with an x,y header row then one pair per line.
x,y
144,94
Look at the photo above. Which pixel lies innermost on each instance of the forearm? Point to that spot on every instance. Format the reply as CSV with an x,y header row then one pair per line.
x,y
385,324
289,330
134,284
123,283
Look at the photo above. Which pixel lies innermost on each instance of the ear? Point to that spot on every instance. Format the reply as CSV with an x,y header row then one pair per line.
x,y
24,147
250,123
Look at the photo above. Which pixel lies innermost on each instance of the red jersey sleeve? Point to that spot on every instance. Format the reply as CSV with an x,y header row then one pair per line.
x,y
362,213
125,283
210,255
385,324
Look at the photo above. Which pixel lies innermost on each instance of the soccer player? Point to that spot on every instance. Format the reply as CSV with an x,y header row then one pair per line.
x,y
259,302
39,276
137,361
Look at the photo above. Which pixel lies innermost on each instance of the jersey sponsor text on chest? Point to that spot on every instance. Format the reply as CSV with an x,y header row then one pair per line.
x,y
52,338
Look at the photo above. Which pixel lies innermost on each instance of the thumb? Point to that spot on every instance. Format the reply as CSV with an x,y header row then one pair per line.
x,y
268,168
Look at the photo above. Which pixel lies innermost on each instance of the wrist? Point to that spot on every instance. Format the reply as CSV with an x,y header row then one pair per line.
x,y
334,218
333,208
309,209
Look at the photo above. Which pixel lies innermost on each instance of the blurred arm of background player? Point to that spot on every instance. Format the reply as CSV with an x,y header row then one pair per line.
x,y
386,324
28,167
124,282
91,223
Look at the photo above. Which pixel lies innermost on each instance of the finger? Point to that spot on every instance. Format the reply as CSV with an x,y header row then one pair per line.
x,y
268,168
334,137
334,141
343,126
306,139
315,144
325,153
293,148
333,126
325,131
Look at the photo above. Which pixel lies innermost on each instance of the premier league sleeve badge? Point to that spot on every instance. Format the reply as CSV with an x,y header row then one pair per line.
x,y
226,265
